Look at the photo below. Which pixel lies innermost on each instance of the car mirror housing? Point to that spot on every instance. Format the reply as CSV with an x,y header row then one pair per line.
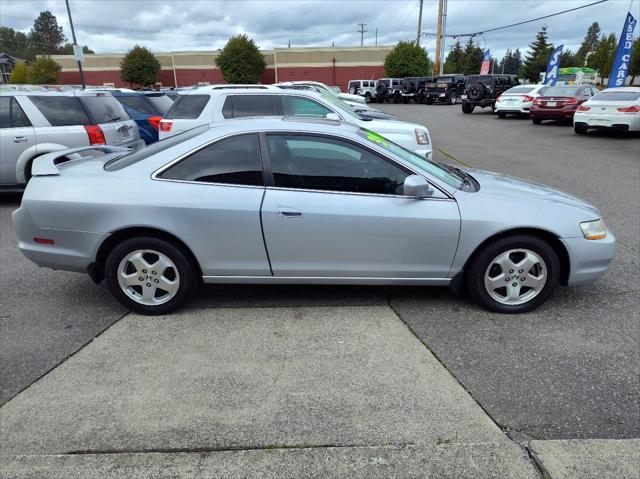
x,y
417,187
332,116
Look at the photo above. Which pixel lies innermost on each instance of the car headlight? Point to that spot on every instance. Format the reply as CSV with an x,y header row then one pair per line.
x,y
422,137
594,230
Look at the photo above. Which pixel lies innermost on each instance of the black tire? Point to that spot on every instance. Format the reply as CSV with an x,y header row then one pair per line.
x,y
475,272
405,99
502,114
381,91
453,98
185,271
429,100
536,121
476,91
368,98
397,97
467,108
580,129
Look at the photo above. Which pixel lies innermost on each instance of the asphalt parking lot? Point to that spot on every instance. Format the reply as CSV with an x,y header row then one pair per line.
x,y
569,370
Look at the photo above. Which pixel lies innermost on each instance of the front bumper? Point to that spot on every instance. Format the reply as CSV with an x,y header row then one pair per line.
x,y
589,259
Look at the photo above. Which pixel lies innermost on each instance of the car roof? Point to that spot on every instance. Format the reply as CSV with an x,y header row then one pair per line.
x,y
282,123
631,89
258,91
232,86
57,93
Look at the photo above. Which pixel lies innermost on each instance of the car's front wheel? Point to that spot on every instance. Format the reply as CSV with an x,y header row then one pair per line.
x,y
150,275
514,274
467,108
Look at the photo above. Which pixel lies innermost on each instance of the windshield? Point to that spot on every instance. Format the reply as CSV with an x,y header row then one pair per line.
x,y
561,91
419,161
617,96
129,159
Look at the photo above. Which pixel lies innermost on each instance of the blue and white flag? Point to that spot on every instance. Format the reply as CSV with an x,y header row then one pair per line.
x,y
620,67
553,65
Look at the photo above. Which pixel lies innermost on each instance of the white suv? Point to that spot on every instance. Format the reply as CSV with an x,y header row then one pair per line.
x,y
199,107
364,88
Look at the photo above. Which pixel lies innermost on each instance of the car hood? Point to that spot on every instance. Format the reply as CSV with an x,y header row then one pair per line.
x,y
350,97
515,189
390,126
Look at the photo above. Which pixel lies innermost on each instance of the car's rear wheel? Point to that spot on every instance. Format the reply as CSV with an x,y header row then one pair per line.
x,y
367,97
514,274
580,129
453,99
149,275
502,114
536,121
467,108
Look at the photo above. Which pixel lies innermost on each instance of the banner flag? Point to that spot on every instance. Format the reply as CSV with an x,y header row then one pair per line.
x,y
553,65
620,67
486,63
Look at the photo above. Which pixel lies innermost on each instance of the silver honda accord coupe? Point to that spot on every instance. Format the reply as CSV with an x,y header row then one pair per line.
x,y
284,200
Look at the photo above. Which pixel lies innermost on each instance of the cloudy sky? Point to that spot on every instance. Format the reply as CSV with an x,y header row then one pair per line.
x,y
109,26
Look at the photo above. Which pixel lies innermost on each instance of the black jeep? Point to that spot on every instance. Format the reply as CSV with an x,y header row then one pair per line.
x,y
445,88
414,88
482,90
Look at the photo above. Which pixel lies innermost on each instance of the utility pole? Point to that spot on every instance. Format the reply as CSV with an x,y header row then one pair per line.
x,y
419,24
439,38
376,36
362,32
444,35
73,34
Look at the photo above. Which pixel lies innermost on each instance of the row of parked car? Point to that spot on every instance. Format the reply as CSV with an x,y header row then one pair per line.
x,y
35,123
584,106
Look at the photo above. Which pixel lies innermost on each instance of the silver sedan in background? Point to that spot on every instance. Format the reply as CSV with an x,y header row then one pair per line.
x,y
289,200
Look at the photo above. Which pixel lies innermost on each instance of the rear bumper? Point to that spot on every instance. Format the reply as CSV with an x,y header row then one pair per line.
x,y
552,114
71,251
589,259
614,122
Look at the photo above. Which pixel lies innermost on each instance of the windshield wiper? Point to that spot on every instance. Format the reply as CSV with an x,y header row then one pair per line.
x,y
461,174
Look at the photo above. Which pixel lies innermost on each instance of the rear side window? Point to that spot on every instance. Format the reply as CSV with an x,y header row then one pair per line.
x,y
61,110
301,106
5,112
161,103
188,107
243,106
233,161
104,109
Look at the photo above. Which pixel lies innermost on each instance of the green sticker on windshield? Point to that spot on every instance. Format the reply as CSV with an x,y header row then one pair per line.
x,y
377,138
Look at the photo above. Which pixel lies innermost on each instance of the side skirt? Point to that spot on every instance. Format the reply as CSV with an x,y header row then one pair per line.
x,y
325,280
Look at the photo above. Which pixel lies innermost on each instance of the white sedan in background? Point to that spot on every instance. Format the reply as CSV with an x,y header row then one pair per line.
x,y
517,100
613,108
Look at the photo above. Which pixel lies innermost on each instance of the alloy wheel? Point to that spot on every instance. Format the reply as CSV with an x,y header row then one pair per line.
x,y
515,277
148,277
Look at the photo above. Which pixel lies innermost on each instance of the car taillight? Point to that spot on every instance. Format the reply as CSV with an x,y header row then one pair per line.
x,y
165,125
571,101
583,108
629,109
96,136
537,101
498,97
154,121
527,98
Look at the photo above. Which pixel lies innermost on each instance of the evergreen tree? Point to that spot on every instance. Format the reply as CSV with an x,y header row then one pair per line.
x,y
46,36
589,44
568,59
634,64
67,49
537,57
139,66
240,61
407,60
602,57
15,43
454,60
472,60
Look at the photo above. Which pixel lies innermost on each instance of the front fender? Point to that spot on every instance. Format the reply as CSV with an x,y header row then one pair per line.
x,y
30,153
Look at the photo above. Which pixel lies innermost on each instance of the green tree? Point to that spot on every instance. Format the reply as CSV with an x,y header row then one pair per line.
x,y
44,70
568,59
67,49
634,64
454,60
15,43
407,59
46,35
472,60
240,61
19,74
537,57
589,44
602,57
139,67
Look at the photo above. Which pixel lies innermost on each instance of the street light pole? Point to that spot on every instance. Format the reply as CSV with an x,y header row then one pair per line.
x,y
419,24
73,34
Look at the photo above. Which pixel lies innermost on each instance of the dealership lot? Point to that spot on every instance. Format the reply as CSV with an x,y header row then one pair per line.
x,y
569,370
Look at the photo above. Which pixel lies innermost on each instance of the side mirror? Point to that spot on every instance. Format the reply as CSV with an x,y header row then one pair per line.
x,y
333,116
417,187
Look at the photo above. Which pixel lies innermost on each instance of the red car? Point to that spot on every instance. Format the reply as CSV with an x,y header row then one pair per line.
x,y
560,102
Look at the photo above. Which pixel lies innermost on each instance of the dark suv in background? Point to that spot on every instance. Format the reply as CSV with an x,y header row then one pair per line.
x,y
445,88
389,89
482,90
414,88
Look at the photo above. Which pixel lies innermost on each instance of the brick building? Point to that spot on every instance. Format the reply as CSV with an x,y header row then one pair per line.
x,y
330,65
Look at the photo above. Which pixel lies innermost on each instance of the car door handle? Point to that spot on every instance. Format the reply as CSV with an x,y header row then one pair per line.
x,y
20,139
290,214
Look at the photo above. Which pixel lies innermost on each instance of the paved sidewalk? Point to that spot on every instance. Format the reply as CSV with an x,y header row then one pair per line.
x,y
303,391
